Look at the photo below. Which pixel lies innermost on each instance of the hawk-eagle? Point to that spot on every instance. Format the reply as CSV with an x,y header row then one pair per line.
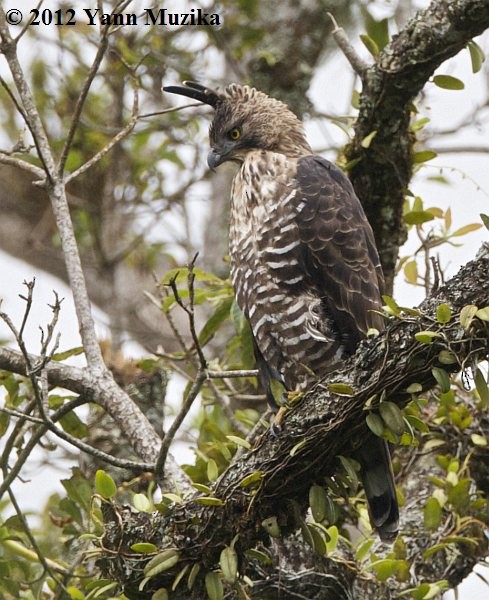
x,y
304,265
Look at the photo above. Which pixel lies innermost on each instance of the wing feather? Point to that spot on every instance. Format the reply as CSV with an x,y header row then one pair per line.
x,y
338,249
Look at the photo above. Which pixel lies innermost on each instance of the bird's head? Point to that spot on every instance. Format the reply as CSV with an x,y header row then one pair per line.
x,y
246,119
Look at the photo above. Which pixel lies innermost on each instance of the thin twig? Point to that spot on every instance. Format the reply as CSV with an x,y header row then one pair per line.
x,y
232,374
359,65
28,300
102,48
40,556
10,475
6,159
28,23
175,426
123,133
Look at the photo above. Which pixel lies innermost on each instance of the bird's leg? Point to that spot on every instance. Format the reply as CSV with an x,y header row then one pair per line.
x,y
287,401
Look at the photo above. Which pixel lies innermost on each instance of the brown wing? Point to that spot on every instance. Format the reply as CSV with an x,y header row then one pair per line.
x,y
338,249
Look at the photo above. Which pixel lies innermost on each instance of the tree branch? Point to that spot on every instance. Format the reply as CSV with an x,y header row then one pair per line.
x,y
389,87
321,427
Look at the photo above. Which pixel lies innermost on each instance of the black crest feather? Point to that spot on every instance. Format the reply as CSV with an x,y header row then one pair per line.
x,y
196,91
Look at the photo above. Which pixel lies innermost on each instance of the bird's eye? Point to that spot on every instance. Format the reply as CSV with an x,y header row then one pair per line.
x,y
234,134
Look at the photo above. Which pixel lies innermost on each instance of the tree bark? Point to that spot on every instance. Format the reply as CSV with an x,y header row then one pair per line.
x,y
384,169
322,426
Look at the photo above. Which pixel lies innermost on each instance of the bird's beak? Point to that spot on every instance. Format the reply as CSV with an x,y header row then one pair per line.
x,y
214,159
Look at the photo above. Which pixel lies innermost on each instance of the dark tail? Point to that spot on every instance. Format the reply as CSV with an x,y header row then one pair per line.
x,y
378,482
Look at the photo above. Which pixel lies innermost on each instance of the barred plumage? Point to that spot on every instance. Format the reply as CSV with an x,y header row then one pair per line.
x,y
304,264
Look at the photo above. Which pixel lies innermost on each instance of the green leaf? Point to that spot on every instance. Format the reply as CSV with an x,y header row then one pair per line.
x,y
192,576
314,538
420,123
204,489
483,313
258,555
363,549
432,514
75,593
228,562
370,44
414,388
459,496
411,272
252,479
392,305
210,501
318,501
467,314
239,441
477,56
426,337
417,423
213,586
443,313
334,536
161,594
367,140
478,440
446,357
355,100
448,82
141,503
220,314
67,353
212,470
466,229
72,424
4,423
442,378
297,447
105,485
387,567
271,526
424,156
378,30
349,465
392,417
162,562
482,388
341,389
485,220
375,423
144,548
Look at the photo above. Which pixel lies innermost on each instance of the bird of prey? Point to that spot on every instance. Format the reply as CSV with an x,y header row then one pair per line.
x,y
304,265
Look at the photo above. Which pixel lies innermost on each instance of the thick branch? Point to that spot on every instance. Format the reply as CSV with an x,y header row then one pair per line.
x,y
404,66
324,425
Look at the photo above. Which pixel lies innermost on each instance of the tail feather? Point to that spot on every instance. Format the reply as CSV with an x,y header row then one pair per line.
x,y
380,490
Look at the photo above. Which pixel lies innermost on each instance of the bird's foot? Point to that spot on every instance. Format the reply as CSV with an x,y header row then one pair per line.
x,y
277,419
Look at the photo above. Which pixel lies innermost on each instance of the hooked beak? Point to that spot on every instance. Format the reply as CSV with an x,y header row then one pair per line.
x,y
214,159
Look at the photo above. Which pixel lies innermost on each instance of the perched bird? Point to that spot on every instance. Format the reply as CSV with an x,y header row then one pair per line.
x,y
304,265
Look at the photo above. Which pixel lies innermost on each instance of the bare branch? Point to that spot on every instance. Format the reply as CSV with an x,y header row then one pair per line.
x,y
175,426
357,63
102,48
123,133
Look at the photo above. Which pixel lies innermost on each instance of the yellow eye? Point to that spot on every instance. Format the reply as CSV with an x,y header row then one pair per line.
x,y
234,134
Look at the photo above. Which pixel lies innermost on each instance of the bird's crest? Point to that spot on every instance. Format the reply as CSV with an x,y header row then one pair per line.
x,y
196,91
232,93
